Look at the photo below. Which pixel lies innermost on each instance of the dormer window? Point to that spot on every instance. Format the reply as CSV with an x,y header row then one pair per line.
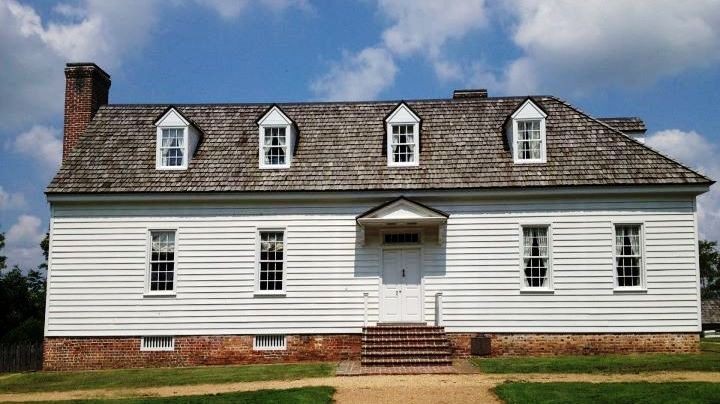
x,y
177,139
529,141
274,146
526,134
172,147
403,137
277,139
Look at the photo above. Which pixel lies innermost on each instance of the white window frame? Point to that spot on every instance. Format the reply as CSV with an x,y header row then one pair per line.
x,y
549,283
642,287
148,264
288,146
528,111
258,240
419,232
402,115
158,149
415,144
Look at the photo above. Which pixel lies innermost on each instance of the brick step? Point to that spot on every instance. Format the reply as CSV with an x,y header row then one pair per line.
x,y
403,339
406,362
404,327
411,345
412,333
402,354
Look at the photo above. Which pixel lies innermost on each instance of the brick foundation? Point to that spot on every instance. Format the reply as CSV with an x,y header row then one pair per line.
x,y
579,344
68,353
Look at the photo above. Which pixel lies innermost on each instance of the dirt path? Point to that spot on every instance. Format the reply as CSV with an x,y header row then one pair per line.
x,y
380,389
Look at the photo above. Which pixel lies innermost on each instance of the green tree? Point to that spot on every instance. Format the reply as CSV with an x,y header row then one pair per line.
x,y
2,257
22,297
709,268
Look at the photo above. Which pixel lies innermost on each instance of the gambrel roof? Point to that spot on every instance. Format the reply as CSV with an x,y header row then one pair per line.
x,y
341,148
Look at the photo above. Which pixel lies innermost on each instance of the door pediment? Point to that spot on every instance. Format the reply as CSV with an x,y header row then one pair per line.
x,y
402,211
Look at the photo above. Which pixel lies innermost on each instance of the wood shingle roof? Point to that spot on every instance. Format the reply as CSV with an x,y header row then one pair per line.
x,y
341,148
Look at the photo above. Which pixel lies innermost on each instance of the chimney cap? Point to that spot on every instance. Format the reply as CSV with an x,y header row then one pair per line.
x,y
74,66
470,93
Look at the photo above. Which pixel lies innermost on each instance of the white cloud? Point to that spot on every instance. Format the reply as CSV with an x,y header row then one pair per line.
x,y
11,200
417,27
700,153
105,32
231,9
359,76
22,242
43,144
425,26
578,46
31,85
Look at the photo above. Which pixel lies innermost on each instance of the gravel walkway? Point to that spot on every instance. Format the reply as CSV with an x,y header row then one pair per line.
x,y
461,388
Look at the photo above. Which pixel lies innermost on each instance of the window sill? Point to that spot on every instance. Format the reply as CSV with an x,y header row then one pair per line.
x,y
271,167
630,290
530,162
152,295
269,294
171,168
538,291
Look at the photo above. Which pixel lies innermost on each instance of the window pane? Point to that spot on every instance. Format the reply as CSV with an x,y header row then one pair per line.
x,y
402,143
275,146
535,256
271,260
628,255
162,260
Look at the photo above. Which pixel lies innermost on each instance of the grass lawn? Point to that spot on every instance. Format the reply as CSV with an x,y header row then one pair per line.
x,y
128,378
706,361
305,395
611,393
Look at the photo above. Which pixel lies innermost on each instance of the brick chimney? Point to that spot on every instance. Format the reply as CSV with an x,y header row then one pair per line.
x,y
470,93
87,87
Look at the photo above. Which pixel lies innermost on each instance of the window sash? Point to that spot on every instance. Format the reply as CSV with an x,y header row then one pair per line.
x,y
172,147
628,256
162,261
402,143
529,141
271,261
275,143
536,257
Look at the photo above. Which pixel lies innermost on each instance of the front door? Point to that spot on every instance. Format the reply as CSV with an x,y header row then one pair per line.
x,y
401,292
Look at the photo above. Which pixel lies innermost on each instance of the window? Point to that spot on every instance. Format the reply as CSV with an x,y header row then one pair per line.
x,y
401,238
162,262
269,343
274,146
277,137
172,147
403,137
529,140
157,344
628,255
272,261
535,257
402,143
526,134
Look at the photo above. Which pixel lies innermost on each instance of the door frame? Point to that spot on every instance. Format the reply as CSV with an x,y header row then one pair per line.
x,y
420,250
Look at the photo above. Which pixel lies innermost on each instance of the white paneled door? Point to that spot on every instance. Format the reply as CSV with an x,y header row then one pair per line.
x,y
401,289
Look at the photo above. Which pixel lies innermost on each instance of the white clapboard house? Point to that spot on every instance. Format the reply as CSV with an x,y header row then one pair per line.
x,y
388,231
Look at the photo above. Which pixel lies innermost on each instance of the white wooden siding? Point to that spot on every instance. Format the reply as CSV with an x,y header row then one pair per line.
x,y
98,265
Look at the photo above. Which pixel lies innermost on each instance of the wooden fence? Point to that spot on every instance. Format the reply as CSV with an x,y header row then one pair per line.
x,y
21,357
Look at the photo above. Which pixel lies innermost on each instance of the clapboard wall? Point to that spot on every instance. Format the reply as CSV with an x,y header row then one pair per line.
x,y
98,264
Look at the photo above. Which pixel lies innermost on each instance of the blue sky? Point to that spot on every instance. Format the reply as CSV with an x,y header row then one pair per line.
x,y
652,58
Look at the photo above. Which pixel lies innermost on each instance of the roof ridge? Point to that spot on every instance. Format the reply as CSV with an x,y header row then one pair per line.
x,y
626,137
286,103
